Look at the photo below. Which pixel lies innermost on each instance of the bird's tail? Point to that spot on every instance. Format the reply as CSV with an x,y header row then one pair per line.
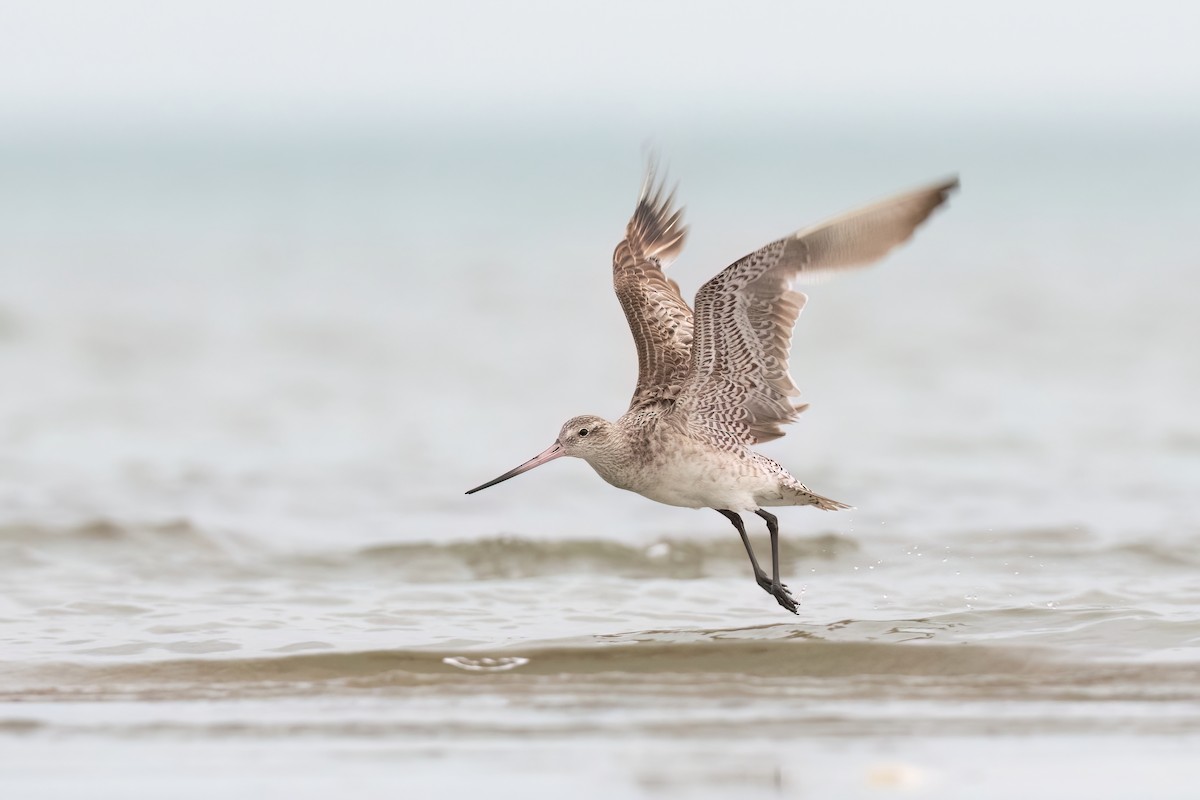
x,y
802,496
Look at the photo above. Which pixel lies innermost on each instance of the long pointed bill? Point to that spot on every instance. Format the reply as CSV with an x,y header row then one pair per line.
x,y
549,454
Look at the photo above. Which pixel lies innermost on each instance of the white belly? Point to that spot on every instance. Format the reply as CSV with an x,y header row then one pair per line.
x,y
702,480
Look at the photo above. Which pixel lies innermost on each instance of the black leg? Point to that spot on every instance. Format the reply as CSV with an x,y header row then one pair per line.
x,y
759,575
771,586
773,529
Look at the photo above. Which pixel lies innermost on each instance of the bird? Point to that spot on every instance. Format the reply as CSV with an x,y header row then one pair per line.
x,y
713,380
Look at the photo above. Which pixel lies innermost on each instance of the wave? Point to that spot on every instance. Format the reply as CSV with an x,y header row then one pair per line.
x,y
183,544
506,557
824,667
150,549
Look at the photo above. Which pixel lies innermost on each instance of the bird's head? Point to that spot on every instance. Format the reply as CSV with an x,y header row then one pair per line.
x,y
582,437
585,435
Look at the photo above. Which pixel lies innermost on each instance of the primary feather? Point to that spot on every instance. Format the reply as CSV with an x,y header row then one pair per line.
x,y
658,316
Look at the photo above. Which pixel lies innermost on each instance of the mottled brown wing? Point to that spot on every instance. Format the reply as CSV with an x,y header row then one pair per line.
x,y
659,319
739,390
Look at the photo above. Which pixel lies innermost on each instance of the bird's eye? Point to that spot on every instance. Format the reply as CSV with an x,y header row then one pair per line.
x,y
583,431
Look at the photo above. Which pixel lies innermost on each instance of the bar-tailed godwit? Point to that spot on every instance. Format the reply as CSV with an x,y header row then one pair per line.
x,y
715,381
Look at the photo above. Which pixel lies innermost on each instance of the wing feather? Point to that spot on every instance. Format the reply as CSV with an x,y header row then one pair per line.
x,y
739,390
659,318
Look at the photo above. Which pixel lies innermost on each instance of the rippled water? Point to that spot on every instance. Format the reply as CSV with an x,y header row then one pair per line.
x,y
247,382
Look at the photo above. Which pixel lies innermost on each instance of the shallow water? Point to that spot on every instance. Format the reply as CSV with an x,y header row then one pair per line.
x,y
247,382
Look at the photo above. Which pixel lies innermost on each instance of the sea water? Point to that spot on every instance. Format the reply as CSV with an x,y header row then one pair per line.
x,y
246,379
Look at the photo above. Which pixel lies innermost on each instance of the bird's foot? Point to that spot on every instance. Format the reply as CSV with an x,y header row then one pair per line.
x,y
780,592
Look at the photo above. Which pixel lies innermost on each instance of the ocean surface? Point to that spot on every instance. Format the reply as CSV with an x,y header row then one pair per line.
x,y
246,379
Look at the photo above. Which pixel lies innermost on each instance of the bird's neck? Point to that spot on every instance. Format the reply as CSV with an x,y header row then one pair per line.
x,y
622,461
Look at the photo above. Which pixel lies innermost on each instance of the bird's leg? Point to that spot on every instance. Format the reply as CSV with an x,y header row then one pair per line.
x,y
776,588
773,529
759,575
771,587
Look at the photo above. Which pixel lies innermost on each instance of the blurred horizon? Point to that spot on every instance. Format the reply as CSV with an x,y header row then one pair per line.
x,y
653,69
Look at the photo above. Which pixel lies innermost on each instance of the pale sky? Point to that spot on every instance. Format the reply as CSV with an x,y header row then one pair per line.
x,y
230,60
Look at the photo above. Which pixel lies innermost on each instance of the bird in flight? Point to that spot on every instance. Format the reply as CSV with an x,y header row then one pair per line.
x,y
713,381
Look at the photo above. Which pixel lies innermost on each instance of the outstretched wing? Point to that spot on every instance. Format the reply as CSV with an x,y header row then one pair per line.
x,y
659,319
739,389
